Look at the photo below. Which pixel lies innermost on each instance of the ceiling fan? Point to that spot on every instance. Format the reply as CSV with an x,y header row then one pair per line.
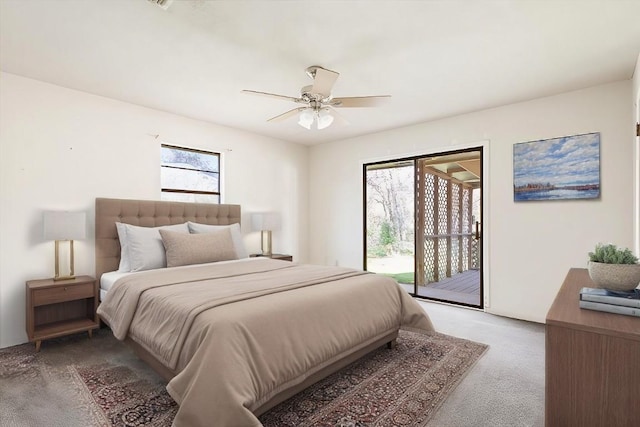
x,y
319,105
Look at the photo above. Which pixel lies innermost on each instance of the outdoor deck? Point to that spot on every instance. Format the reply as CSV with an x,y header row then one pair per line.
x,y
461,288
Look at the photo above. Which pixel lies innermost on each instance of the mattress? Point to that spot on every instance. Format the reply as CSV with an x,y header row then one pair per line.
x,y
108,279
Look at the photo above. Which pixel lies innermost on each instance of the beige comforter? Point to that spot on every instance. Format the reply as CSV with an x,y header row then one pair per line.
x,y
239,333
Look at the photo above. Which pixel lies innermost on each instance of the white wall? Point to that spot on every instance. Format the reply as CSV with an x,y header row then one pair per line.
x,y
60,149
530,246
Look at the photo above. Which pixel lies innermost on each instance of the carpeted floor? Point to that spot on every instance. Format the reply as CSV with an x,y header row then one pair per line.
x,y
506,387
74,381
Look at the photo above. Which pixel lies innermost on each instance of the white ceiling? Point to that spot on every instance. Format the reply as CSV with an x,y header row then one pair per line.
x,y
436,58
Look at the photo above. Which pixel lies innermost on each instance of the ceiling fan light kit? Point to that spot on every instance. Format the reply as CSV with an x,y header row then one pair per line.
x,y
306,119
319,103
322,118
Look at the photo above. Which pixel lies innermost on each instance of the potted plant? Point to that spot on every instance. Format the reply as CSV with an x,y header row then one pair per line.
x,y
614,268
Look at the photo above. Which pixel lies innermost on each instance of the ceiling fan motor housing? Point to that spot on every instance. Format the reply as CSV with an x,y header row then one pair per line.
x,y
307,95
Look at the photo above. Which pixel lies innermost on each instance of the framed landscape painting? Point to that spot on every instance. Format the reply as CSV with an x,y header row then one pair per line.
x,y
557,169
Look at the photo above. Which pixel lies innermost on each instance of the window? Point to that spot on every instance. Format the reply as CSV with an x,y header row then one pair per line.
x,y
188,175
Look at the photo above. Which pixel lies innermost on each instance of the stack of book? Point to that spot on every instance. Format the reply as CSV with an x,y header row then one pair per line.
x,y
627,303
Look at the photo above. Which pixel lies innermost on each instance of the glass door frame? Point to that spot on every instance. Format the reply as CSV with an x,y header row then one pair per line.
x,y
481,246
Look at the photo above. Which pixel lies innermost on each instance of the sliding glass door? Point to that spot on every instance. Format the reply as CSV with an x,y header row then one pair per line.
x,y
423,219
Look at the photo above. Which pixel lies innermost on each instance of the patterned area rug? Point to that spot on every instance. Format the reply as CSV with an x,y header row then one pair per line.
x,y
124,399
399,387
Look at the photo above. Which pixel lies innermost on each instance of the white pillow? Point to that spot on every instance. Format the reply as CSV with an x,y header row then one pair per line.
x,y
144,246
125,264
236,235
187,249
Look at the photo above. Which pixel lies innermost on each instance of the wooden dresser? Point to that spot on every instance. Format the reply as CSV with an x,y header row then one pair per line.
x,y
592,362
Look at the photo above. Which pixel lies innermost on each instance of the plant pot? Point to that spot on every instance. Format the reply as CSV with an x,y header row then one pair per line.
x,y
616,277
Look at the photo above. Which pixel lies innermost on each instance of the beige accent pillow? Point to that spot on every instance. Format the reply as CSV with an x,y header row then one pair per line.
x,y
236,234
187,249
141,247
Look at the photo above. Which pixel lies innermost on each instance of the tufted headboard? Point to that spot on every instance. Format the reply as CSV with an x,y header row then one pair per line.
x,y
149,213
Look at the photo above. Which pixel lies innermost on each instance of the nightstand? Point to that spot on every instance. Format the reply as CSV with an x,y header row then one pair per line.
x,y
63,307
282,257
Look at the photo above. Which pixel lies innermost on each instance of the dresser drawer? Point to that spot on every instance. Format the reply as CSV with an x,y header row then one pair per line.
x,y
52,295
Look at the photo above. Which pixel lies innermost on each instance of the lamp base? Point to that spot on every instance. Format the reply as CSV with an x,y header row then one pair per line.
x,y
71,274
265,246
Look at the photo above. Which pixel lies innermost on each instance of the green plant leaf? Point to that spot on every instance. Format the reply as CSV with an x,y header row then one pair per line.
x,y
610,254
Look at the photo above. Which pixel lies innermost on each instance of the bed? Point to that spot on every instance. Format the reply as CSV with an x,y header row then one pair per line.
x,y
235,337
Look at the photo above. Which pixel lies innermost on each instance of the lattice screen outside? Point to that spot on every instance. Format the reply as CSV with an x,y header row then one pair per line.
x,y
467,219
427,214
444,227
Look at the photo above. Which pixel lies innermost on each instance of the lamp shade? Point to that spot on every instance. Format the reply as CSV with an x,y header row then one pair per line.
x,y
61,225
265,221
306,119
324,118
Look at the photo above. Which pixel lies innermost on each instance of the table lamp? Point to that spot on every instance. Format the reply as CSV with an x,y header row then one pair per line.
x,y
64,226
266,222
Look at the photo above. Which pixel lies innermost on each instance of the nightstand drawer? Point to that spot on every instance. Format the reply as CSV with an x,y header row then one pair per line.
x,y
62,293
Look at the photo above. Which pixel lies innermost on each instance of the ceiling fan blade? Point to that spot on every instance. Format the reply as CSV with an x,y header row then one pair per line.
x,y
324,81
359,101
286,115
339,118
272,95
